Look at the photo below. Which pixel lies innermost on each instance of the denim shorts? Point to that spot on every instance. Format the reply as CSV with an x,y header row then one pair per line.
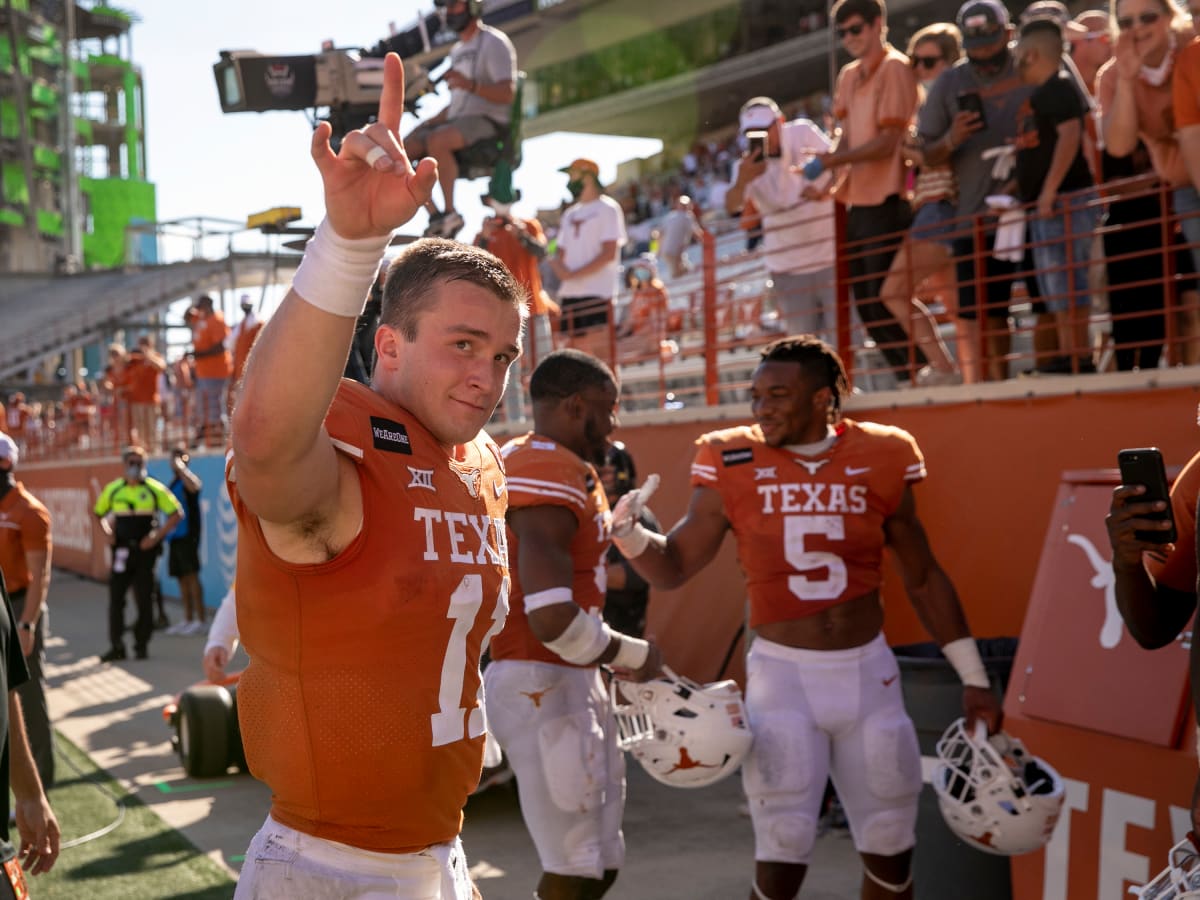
x,y
935,222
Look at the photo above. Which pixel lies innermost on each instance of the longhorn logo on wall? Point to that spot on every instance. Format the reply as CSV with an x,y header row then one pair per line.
x,y
280,79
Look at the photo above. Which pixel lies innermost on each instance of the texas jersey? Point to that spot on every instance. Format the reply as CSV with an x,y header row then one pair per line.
x,y
360,707
809,529
542,472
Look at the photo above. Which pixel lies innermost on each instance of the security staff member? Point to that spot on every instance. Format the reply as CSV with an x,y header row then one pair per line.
x,y
134,502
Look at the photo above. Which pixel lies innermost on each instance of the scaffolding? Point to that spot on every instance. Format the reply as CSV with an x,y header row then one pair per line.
x,y
72,138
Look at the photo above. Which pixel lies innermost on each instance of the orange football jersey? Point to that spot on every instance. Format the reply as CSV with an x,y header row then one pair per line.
x,y
544,473
809,529
360,707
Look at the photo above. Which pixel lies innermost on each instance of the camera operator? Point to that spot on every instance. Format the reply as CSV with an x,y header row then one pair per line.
x,y
482,80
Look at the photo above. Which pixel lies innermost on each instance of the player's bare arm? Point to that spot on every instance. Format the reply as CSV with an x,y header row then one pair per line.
x,y
287,470
667,562
937,605
1154,613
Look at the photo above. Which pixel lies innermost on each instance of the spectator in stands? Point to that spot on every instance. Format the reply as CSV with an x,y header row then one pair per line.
x,y
16,417
924,259
482,79
645,323
183,544
141,378
1091,45
796,216
520,244
874,101
1050,163
1135,92
239,342
679,229
183,391
26,550
213,366
951,133
1186,104
114,401
590,236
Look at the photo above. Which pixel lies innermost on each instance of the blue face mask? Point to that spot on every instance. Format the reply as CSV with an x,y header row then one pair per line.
x,y
642,275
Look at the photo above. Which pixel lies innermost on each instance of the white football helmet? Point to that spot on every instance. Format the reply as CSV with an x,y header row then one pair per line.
x,y
993,794
1180,880
684,734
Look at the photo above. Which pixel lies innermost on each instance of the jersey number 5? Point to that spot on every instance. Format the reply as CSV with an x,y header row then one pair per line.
x,y
447,722
795,530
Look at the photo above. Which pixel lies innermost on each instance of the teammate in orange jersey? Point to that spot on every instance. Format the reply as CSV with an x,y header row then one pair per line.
x,y
812,499
546,702
372,565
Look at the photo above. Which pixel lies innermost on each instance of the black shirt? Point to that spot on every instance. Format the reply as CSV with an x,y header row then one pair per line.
x,y
1052,103
12,675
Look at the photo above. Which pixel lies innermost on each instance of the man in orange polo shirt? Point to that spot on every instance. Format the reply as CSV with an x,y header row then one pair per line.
x,y
141,379
25,551
874,101
520,244
214,365
240,340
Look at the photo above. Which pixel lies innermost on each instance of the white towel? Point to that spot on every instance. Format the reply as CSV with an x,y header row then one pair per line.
x,y
1010,230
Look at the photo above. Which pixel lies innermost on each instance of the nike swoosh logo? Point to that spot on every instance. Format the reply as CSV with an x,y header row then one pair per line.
x,y
852,472
888,681
497,488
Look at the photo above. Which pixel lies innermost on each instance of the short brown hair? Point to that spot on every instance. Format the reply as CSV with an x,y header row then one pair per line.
x,y
415,275
945,35
870,10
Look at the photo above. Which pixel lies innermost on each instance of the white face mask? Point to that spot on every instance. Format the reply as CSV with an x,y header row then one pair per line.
x,y
502,210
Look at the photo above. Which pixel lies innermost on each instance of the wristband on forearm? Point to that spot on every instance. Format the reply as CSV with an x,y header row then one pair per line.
x,y
631,653
634,544
963,654
336,274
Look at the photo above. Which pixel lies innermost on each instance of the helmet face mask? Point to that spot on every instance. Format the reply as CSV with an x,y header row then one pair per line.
x,y
684,734
993,794
1180,880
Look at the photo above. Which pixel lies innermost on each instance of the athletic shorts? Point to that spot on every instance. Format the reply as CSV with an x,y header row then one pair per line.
x,y
183,557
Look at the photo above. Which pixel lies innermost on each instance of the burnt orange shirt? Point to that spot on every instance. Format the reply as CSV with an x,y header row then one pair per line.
x,y
24,527
141,379
809,529
208,332
241,348
866,102
1186,86
523,265
360,705
1178,571
542,472
1156,122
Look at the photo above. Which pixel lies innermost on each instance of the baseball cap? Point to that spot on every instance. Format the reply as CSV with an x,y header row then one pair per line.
x,y
582,166
982,22
1054,11
8,449
757,118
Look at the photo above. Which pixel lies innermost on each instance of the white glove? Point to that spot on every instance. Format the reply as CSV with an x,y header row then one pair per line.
x,y
628,533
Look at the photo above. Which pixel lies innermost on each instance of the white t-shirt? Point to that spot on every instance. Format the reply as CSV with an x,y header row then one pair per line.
x,y
797,234
488,57
585,227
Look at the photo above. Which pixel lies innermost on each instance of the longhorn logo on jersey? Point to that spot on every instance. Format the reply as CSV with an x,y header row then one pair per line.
x,y
470,477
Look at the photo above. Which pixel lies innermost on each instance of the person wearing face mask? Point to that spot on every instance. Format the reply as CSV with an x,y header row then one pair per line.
x,y
482,79
648,319
952,131
590,237
128,508
26,548
520,244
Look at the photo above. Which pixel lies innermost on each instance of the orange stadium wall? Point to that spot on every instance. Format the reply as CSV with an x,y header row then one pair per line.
x,y
69,491
994,470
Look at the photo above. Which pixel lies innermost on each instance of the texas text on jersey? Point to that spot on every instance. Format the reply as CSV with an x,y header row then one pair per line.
x,y
385,644
809,529
544,473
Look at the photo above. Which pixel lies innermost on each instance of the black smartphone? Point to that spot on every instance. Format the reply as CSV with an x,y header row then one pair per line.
x,y
971,101
756,141
1144,465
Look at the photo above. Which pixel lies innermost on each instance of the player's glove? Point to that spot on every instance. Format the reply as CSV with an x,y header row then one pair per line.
x,y
628,533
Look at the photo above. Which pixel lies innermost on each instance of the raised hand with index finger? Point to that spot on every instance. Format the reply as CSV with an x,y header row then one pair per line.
x,y
371,186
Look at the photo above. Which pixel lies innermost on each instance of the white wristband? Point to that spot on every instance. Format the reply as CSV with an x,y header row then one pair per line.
x,y
336,274
634,544
583,641
963,654
631,652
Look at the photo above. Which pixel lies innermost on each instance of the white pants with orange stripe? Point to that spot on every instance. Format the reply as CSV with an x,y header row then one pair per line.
x,y
556,726
285,864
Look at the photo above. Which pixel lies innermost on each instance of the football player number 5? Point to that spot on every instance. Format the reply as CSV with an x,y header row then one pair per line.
x,y
795,530
447,722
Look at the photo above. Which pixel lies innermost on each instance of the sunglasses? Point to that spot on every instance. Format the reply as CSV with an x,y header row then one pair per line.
x,y
982,31
926,62
1147,18
852,30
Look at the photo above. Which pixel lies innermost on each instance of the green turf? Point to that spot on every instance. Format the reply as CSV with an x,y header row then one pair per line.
x,y
143,859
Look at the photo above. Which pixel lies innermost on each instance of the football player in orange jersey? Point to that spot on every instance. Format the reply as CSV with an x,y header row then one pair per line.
x,y
372,565
546,702
812,500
